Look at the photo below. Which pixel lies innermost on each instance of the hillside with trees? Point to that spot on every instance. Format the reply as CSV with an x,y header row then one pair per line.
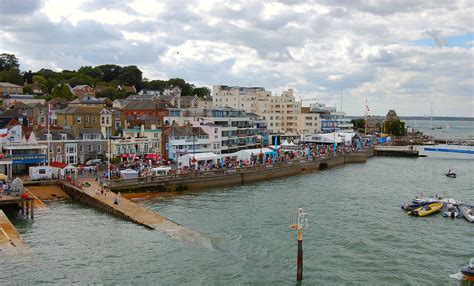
x,y
108,77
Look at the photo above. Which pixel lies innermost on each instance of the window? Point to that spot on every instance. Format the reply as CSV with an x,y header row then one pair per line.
x,y
63,137
79,120
42,171
117,124
87,120
58,149
107,120
91,148
94,119
59,158
41,112
72,159
99,148
102,119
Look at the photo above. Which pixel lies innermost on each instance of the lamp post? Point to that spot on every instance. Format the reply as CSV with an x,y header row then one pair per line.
x,y
109,149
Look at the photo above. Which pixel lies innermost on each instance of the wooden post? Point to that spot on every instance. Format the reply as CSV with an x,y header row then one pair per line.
x,y
27,206
32,209
299,269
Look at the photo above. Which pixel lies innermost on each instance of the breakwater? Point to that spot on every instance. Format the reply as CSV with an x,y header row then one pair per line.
x,y
227,177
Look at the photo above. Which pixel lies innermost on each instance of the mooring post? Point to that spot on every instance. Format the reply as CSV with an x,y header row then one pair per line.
x,y
299,224
299,268
27,206
32,209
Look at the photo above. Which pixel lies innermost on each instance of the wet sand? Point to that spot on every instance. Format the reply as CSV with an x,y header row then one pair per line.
x,y
48,193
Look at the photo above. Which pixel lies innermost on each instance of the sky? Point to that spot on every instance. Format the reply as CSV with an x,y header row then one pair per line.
x,y
357,50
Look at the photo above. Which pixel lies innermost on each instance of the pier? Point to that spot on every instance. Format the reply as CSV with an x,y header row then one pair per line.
x,y
128,210
9,236
396,151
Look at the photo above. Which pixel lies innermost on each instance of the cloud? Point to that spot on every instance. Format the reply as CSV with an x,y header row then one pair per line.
x,y
366,49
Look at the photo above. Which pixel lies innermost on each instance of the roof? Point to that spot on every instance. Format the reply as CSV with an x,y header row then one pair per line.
x,y
184,131
148,104
127,88
19,96
59,165
80,110
11,114
80,86
55,134
7,84
134,97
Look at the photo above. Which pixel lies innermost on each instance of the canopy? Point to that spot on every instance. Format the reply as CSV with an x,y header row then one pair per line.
x,y
330,138
129,174
184,160
247,153
3,177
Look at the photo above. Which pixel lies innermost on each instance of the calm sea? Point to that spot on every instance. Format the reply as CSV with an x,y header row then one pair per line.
x,y
358,233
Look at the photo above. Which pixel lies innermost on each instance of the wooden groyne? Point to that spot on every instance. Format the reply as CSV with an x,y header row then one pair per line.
x,y
129,210
235,176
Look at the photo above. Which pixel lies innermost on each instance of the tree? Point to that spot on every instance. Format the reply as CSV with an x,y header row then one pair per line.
x,y
396,127
110,93
110,72
201,91
12,76
81,79
8,62
155,84
186,88
27,89
131,75
63,91
94,72
358,123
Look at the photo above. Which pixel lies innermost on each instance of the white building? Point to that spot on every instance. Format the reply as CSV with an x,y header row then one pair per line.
x,y
280,112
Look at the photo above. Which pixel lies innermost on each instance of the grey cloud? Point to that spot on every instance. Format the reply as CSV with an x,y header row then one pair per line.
x,y
15,7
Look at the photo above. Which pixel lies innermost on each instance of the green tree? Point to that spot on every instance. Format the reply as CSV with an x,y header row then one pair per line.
x,y
27,89
131,75
108,92
201,91
63,91
81,79
396,128
50,84
358,123
12,76
186,88
8,62
94,72
155,84
110,72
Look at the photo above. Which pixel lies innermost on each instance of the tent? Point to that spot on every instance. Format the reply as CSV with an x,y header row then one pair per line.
x,y
247,153
330,138
185,159
160,171
129,174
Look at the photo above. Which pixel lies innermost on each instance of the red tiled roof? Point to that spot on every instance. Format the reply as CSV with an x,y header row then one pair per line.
x,y
59,165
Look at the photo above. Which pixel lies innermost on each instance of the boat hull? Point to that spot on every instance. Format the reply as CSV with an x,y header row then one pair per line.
x,y
426,210
467,212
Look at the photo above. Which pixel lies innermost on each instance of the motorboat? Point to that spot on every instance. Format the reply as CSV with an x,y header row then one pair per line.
x,y
426,210
468,271
451,175
467,212
426,201
451,210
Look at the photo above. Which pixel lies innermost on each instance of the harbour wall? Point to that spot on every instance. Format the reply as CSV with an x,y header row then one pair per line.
x,y
236,176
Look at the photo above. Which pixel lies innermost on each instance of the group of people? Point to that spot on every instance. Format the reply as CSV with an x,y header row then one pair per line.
x,y
306,151
104,191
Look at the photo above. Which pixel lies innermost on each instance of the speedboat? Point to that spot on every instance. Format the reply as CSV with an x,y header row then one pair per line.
x,y
467,211
468,271
451,210
427,210
451,175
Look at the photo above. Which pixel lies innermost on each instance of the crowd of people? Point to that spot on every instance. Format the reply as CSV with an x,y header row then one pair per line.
x,y
311,151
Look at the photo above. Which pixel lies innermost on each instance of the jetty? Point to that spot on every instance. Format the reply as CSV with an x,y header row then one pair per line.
x,y
128,210
396,151
9,236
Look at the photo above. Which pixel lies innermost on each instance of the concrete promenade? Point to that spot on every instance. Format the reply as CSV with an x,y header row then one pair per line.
x,y
130,211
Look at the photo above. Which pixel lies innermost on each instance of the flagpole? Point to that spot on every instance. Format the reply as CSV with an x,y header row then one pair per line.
x,y
49,134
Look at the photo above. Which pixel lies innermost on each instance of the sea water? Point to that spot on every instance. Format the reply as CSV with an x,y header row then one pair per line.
x,y
358,234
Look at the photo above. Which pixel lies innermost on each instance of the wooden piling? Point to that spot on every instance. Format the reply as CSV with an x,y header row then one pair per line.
x,y
299,266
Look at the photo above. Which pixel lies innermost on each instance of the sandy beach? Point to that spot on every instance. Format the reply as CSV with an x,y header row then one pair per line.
x,y
48,193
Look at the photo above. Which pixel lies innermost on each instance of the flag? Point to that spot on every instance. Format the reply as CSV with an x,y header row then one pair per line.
x,y
4,132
